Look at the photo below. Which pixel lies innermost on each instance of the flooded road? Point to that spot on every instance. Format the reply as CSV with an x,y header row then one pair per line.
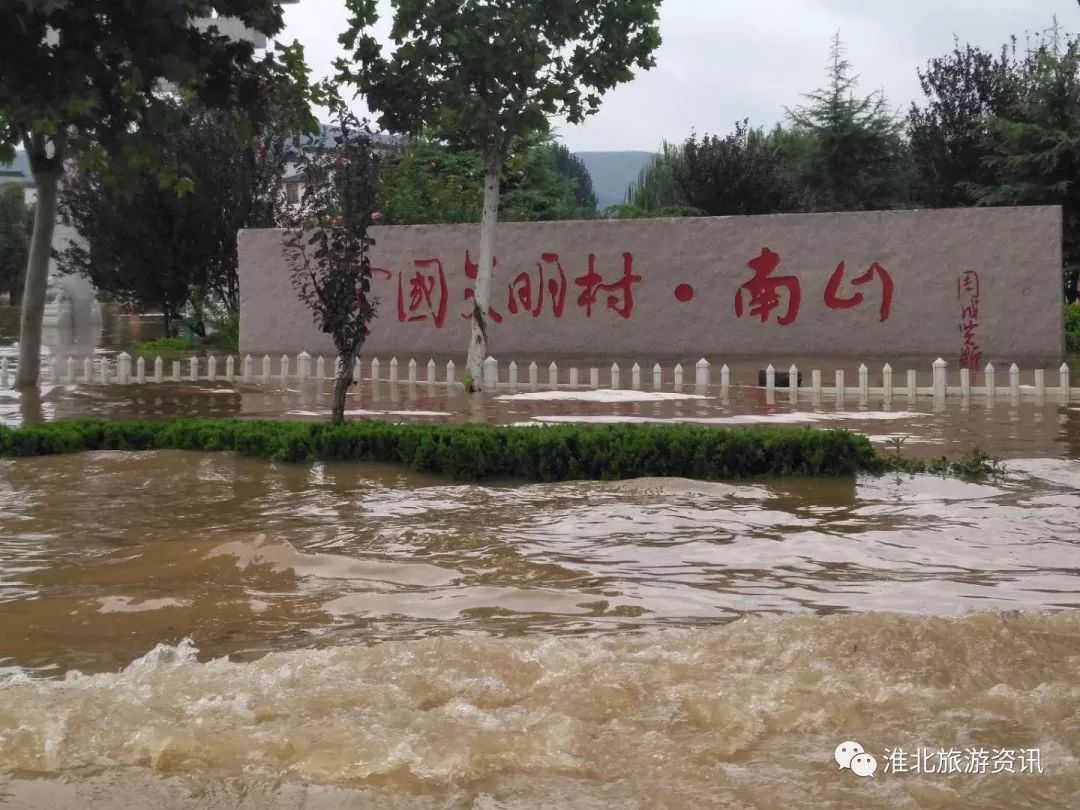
x,y
209,631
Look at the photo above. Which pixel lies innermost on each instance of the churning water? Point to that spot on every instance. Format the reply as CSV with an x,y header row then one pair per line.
x,y
187,630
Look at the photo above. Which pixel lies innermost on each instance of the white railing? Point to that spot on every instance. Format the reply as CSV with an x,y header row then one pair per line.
x,y
777,384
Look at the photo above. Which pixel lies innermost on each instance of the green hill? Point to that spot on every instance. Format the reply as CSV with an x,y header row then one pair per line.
x,y
613,172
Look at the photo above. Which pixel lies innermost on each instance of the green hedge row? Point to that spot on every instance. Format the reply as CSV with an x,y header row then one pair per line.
x,y
472,452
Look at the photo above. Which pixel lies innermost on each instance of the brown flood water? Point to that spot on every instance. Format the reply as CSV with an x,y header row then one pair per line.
x,y
205,631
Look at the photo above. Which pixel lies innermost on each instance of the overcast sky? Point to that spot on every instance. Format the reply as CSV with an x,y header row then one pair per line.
x,y
724,60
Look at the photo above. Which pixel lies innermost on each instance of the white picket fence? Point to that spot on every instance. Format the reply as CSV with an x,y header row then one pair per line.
x,y
121,371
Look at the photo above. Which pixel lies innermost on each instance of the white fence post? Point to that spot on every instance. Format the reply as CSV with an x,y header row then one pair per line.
x,y
815,382
230,369
431,370
266,369
573,377
88,370
303,367
140,370
412,371
123,368
193,368
1040,384
285,371
159,369
886,382
615,376
1063,375
912,384
635,377
991,387
249,368
1014,381
534,376
940,377
449,372
839,385
320,368
793,383
678,376
375,371
657,377
864,383
103,375
211,368
71,369
594,378
3,372
725,379
701,373
770,378
965,382
512,375
393,371
491,373
176,370
553,375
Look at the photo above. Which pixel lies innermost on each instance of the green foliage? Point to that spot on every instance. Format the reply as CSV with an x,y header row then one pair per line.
x,y
475,452
155,249
327,243
16,224
1072,327
739,174
976,464
167,349
964,90
433,183
657,187
484,71
850,156
1034,147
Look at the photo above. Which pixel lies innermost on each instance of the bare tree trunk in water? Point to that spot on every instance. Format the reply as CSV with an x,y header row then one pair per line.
x,y
37,280
478,341
341,389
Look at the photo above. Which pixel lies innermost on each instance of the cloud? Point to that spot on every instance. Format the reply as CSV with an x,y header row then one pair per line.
x,y
725,60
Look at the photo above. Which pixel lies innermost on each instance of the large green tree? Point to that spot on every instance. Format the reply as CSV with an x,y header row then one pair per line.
x,y
1034,146
741,173
150,247
484,71
15,226
845,151
83,81
948,133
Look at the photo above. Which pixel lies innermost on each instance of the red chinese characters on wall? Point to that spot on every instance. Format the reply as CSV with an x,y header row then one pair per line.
x,y
967,293
765,293
622,302
427,298
523,297
763,290
833,299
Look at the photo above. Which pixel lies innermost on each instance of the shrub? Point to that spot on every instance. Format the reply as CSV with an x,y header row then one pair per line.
x,y
1072,327
477,452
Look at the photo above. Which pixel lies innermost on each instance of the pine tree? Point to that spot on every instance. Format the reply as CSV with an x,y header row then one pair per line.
x,y
852,157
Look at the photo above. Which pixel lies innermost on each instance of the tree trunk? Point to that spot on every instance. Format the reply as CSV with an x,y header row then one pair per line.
x,y
341,389
37,280
478,342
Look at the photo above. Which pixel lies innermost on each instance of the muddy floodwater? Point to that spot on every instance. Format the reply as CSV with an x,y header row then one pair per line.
x,y
206,631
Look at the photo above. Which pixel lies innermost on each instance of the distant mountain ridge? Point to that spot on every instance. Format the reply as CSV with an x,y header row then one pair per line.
x,y
613,172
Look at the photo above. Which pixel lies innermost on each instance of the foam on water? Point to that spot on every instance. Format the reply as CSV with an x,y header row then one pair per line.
x,y
745,714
